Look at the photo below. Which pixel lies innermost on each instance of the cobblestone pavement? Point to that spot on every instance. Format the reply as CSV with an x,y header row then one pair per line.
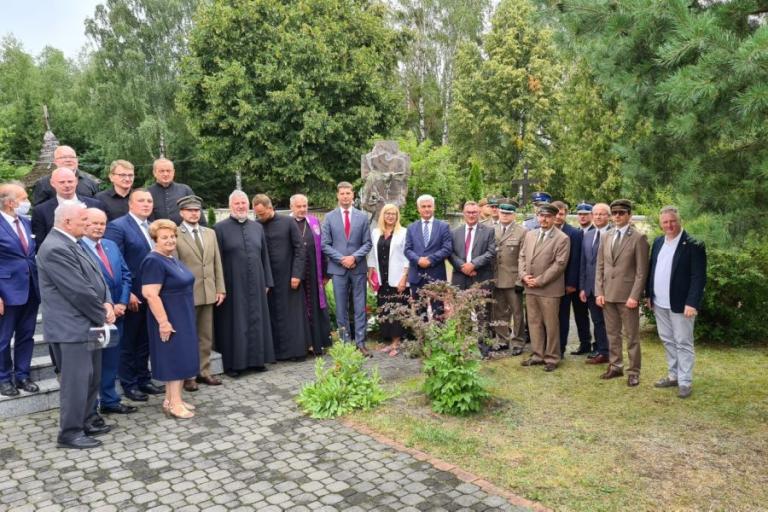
x,y
248,448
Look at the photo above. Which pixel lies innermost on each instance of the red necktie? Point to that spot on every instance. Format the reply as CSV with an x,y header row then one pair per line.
x,y
104,259
23,240
347,225
467,242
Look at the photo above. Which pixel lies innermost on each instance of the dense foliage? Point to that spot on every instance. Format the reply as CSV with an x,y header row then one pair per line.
x,y
343,387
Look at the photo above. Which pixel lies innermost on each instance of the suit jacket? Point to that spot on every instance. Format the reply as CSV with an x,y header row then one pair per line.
x,y
42,216
439,248
507,255
207,269
588,263
689,272
546,261
119,282
397,261
574,258
132,244
72,290
18,270
621,276
335,243
483,255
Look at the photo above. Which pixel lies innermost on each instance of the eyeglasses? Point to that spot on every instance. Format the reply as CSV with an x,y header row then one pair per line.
x,y
493,206
124,176
620,212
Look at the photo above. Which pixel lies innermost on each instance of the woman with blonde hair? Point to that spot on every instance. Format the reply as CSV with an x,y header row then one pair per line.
x,y
388,271
168,287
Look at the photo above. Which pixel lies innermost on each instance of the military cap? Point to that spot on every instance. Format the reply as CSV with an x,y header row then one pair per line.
x,y
482,202
493,201
189,203
622,205
541,197
548,209
508,207
584,208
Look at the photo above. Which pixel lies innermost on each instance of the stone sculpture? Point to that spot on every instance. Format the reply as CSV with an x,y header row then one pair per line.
x,y
385,171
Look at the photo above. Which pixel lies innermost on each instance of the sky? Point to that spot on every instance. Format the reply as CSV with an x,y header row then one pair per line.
x,y
40,23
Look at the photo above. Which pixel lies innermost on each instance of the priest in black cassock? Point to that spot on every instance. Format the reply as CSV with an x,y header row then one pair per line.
x,y
315,301
290,329
243,330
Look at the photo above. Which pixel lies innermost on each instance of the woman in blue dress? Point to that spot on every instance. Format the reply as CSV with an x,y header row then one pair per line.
x,y
167,285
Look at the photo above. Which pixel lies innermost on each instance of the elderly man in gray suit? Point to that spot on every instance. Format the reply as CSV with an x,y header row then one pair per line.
x,y
346,240
75,298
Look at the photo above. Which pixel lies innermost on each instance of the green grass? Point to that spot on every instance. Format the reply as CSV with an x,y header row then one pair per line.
x,y
575,442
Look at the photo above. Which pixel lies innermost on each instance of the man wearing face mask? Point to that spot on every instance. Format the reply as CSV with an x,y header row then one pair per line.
x,y
19,294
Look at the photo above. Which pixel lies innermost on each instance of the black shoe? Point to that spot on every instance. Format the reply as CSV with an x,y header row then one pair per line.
x,y
233,374
94,430
82,442
27,385
581,351
151,389
96,421
135,395
8,389
516,351
119,408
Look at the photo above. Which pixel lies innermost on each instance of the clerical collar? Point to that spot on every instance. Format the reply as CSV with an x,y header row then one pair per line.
x,y
241,221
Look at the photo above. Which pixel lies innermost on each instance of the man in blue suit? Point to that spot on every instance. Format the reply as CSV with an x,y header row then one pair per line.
x,y
131,234
571,297
346,240
428,242
19,293
675,287
118,278
64,183
590,248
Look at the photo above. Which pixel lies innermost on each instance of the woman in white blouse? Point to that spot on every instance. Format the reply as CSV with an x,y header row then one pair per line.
x,y
388,270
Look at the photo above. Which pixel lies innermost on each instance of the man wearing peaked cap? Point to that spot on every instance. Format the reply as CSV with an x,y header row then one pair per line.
x,y
493,209
622,267
537,198
198,249
584,215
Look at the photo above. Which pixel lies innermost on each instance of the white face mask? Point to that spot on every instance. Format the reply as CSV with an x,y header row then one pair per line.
x,y
23,208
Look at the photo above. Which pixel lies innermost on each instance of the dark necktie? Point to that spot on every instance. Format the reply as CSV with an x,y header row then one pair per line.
x,y
22,238
467,243
104,259
198,242
616,242
347,224
596,240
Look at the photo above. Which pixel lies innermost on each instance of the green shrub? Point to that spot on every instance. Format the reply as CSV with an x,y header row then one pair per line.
x,y
211,217
452,372
343,387
736,295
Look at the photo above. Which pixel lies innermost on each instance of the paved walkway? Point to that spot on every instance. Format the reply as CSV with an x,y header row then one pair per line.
x,y
249,448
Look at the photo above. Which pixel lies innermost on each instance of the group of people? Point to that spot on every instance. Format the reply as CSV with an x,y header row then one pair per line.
x,y
140,266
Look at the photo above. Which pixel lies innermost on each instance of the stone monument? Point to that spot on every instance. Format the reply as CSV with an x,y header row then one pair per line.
x,y
385,171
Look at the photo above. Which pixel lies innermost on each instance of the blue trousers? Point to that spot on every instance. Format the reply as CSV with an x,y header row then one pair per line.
x,y
568,301
17,322
344,286
110,362
133,369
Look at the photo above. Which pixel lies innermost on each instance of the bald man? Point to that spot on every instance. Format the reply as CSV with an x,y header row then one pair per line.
x,y
64,182
166,192
65,156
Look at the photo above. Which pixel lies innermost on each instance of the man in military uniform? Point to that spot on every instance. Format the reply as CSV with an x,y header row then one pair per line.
x,y
493,211
538,199
508,291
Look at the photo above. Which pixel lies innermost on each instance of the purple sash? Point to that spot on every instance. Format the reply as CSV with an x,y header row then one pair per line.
x,y
314,225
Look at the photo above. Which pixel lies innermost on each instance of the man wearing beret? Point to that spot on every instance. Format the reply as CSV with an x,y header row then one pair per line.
x,y
675,287
199,251
508,290
541,265
622,266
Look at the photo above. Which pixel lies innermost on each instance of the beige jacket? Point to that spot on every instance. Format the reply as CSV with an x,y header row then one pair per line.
x,y
208,272
622,275
507,255
546,262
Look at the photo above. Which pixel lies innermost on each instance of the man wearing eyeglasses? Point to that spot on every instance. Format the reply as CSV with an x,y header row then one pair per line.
x,y
115,199
622,267
65,156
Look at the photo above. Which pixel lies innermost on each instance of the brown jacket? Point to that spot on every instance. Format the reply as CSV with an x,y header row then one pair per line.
x,y
507,255
208,272
621,276
546,262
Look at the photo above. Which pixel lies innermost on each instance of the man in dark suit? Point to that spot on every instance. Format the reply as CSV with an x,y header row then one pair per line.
x,y
106,255
428,243
19,294
75,299
65,156
131,234
675,287
571,297
115,198
346,240
64,183
590,247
